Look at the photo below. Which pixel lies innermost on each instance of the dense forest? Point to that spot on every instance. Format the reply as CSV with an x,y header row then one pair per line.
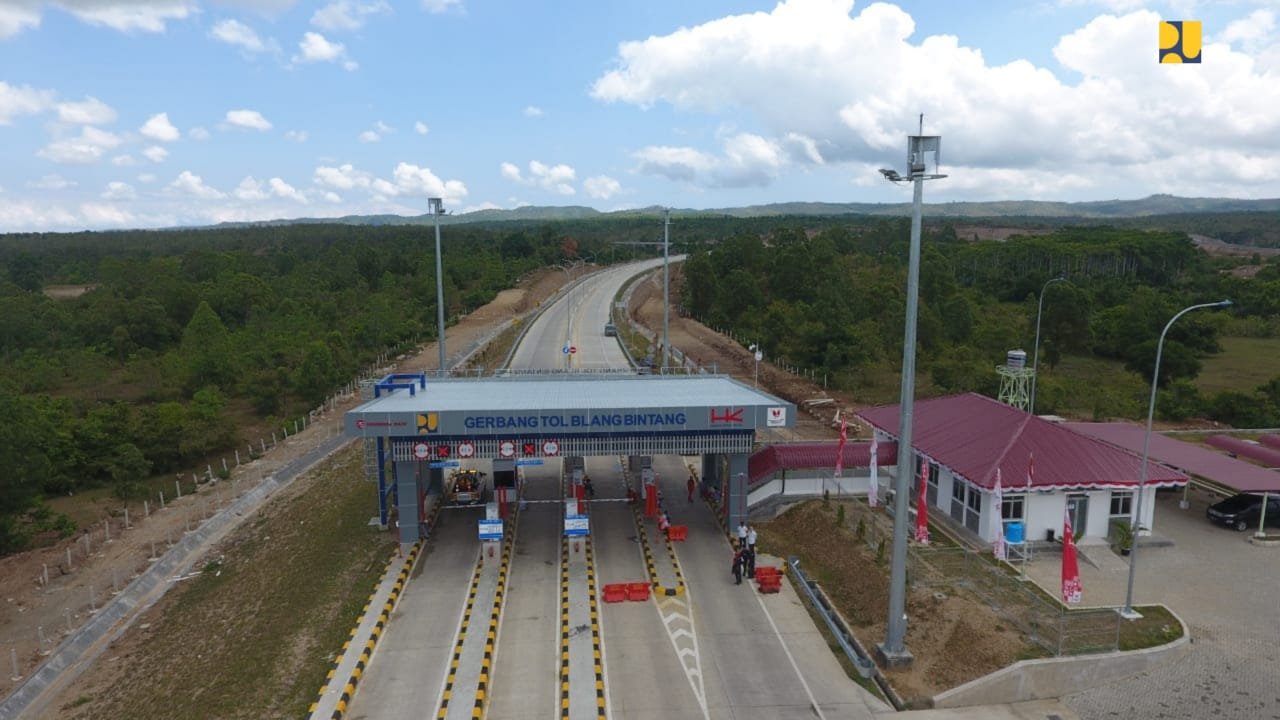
x,y
185,336
835,300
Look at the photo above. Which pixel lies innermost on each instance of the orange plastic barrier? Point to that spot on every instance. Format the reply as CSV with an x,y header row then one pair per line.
x,y
769,579
614,593
678,532
638,591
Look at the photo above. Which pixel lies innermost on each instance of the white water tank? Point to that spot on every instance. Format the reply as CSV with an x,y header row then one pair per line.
x,y
1016,359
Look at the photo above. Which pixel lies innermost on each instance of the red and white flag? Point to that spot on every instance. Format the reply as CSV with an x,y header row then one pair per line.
x,y
922,507
1071,588
1031,471
873,491
844,437
997,500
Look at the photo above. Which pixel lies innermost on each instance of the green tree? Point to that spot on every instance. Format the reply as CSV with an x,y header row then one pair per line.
x,y
207,349
128,467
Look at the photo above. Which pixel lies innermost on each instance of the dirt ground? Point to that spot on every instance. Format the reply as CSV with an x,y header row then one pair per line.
x,y
109,554
954,638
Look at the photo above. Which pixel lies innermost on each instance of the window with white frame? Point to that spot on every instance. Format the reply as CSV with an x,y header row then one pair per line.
x,y
973,509
931,484
1121,503
957,499
1013,508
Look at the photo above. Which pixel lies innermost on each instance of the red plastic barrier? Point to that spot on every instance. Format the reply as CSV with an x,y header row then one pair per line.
x,y
638,591
768,571
678,532
614,593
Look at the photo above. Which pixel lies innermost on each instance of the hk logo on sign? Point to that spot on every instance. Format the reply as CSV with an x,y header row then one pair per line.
x,y
726,415
777,417
428,423
1179,41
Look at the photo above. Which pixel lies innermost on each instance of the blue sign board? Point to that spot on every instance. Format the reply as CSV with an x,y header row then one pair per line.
x,y
529,461
445,464
490,529
576,526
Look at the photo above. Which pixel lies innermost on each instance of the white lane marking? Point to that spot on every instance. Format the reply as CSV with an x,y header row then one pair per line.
x,y
444,680
812,701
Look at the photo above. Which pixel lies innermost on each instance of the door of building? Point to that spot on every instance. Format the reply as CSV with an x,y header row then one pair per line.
x,y
1078,507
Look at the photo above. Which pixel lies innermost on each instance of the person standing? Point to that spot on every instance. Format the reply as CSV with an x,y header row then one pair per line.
x,y
751,540
692,486
742,534
737,567
749,562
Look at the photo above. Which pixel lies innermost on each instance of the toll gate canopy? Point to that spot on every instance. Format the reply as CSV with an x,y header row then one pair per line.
x,y
568,415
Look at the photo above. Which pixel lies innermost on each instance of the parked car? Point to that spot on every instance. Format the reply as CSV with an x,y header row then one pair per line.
x,y
610,330
1241,511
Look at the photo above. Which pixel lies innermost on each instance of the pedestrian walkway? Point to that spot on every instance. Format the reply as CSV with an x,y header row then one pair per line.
x,y
660,557
581,663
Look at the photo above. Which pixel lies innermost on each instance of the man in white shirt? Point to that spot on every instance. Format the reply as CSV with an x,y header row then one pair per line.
x,y
751,539
742,534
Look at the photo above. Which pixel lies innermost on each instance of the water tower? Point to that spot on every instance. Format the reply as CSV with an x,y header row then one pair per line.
x,y
1015,380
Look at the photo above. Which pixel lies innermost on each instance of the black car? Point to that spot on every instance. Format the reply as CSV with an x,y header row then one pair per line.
x,y
1241,511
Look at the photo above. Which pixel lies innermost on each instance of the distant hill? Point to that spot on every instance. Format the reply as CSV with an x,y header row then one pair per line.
x,y
1099,209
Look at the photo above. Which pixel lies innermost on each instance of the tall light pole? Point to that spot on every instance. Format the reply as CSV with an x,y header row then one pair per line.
x,y
437,209
666,289
893,651
1035,353
1128,610
759,355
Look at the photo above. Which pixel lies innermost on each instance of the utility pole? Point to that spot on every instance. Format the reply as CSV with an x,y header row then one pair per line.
x,y
437,209
666,290
893,652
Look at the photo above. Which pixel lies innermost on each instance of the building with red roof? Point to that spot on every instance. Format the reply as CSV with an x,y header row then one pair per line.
x,y
964,440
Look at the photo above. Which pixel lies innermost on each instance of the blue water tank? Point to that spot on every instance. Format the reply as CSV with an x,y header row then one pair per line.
x,y
1014,532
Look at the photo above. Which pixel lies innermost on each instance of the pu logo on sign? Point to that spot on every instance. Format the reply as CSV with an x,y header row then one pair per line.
x,y
726,415
1179,41
428,423
777,417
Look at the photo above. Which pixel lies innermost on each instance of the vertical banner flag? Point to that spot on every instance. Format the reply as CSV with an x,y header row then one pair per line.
x,y
844,437
873,493
997,500
922,506
1071,589
1031,476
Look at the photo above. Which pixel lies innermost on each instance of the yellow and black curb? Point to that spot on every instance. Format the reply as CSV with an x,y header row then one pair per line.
x,y
564,627
596,654
366,652
643,533
458,642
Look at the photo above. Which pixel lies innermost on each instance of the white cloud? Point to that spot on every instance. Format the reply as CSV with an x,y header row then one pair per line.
x,y
380,129
343,177
556,178
441,6
601,187
332,197
1112,114
369,136
189,183
52,181
87,147
250,189
298,136
315,48
347,14
234,32
1251,31
16,18
532,111
117,190
90,111
123,161
146,178
100,214
486,205
350,65
129,15
250,119
421,128
280,188
155,154
40,216
198,133
158,127
24,100
414,180
383,128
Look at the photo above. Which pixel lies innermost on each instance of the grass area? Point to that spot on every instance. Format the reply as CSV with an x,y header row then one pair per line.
x,y
255,634
1091,387
1243,364
1157,627
491,357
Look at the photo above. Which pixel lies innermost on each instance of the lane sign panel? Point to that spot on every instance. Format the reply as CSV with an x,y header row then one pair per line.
x,y
421,451
466,449
550,447
490,529
506,449
576,526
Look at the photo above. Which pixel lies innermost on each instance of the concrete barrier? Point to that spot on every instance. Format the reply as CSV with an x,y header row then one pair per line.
x,y
1047,678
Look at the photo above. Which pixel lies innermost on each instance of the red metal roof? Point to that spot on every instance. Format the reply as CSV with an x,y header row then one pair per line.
x,y
800,456
1192,458
972,435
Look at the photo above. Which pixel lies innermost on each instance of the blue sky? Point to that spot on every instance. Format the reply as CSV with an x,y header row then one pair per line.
x,y
153,113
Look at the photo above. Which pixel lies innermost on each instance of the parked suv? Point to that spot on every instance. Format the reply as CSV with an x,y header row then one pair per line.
x,y
610,330
1241,511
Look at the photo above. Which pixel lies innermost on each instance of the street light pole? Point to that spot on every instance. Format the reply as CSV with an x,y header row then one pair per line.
x,y
759,355
437,209
1035,353
1128,610
666,289
893,652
